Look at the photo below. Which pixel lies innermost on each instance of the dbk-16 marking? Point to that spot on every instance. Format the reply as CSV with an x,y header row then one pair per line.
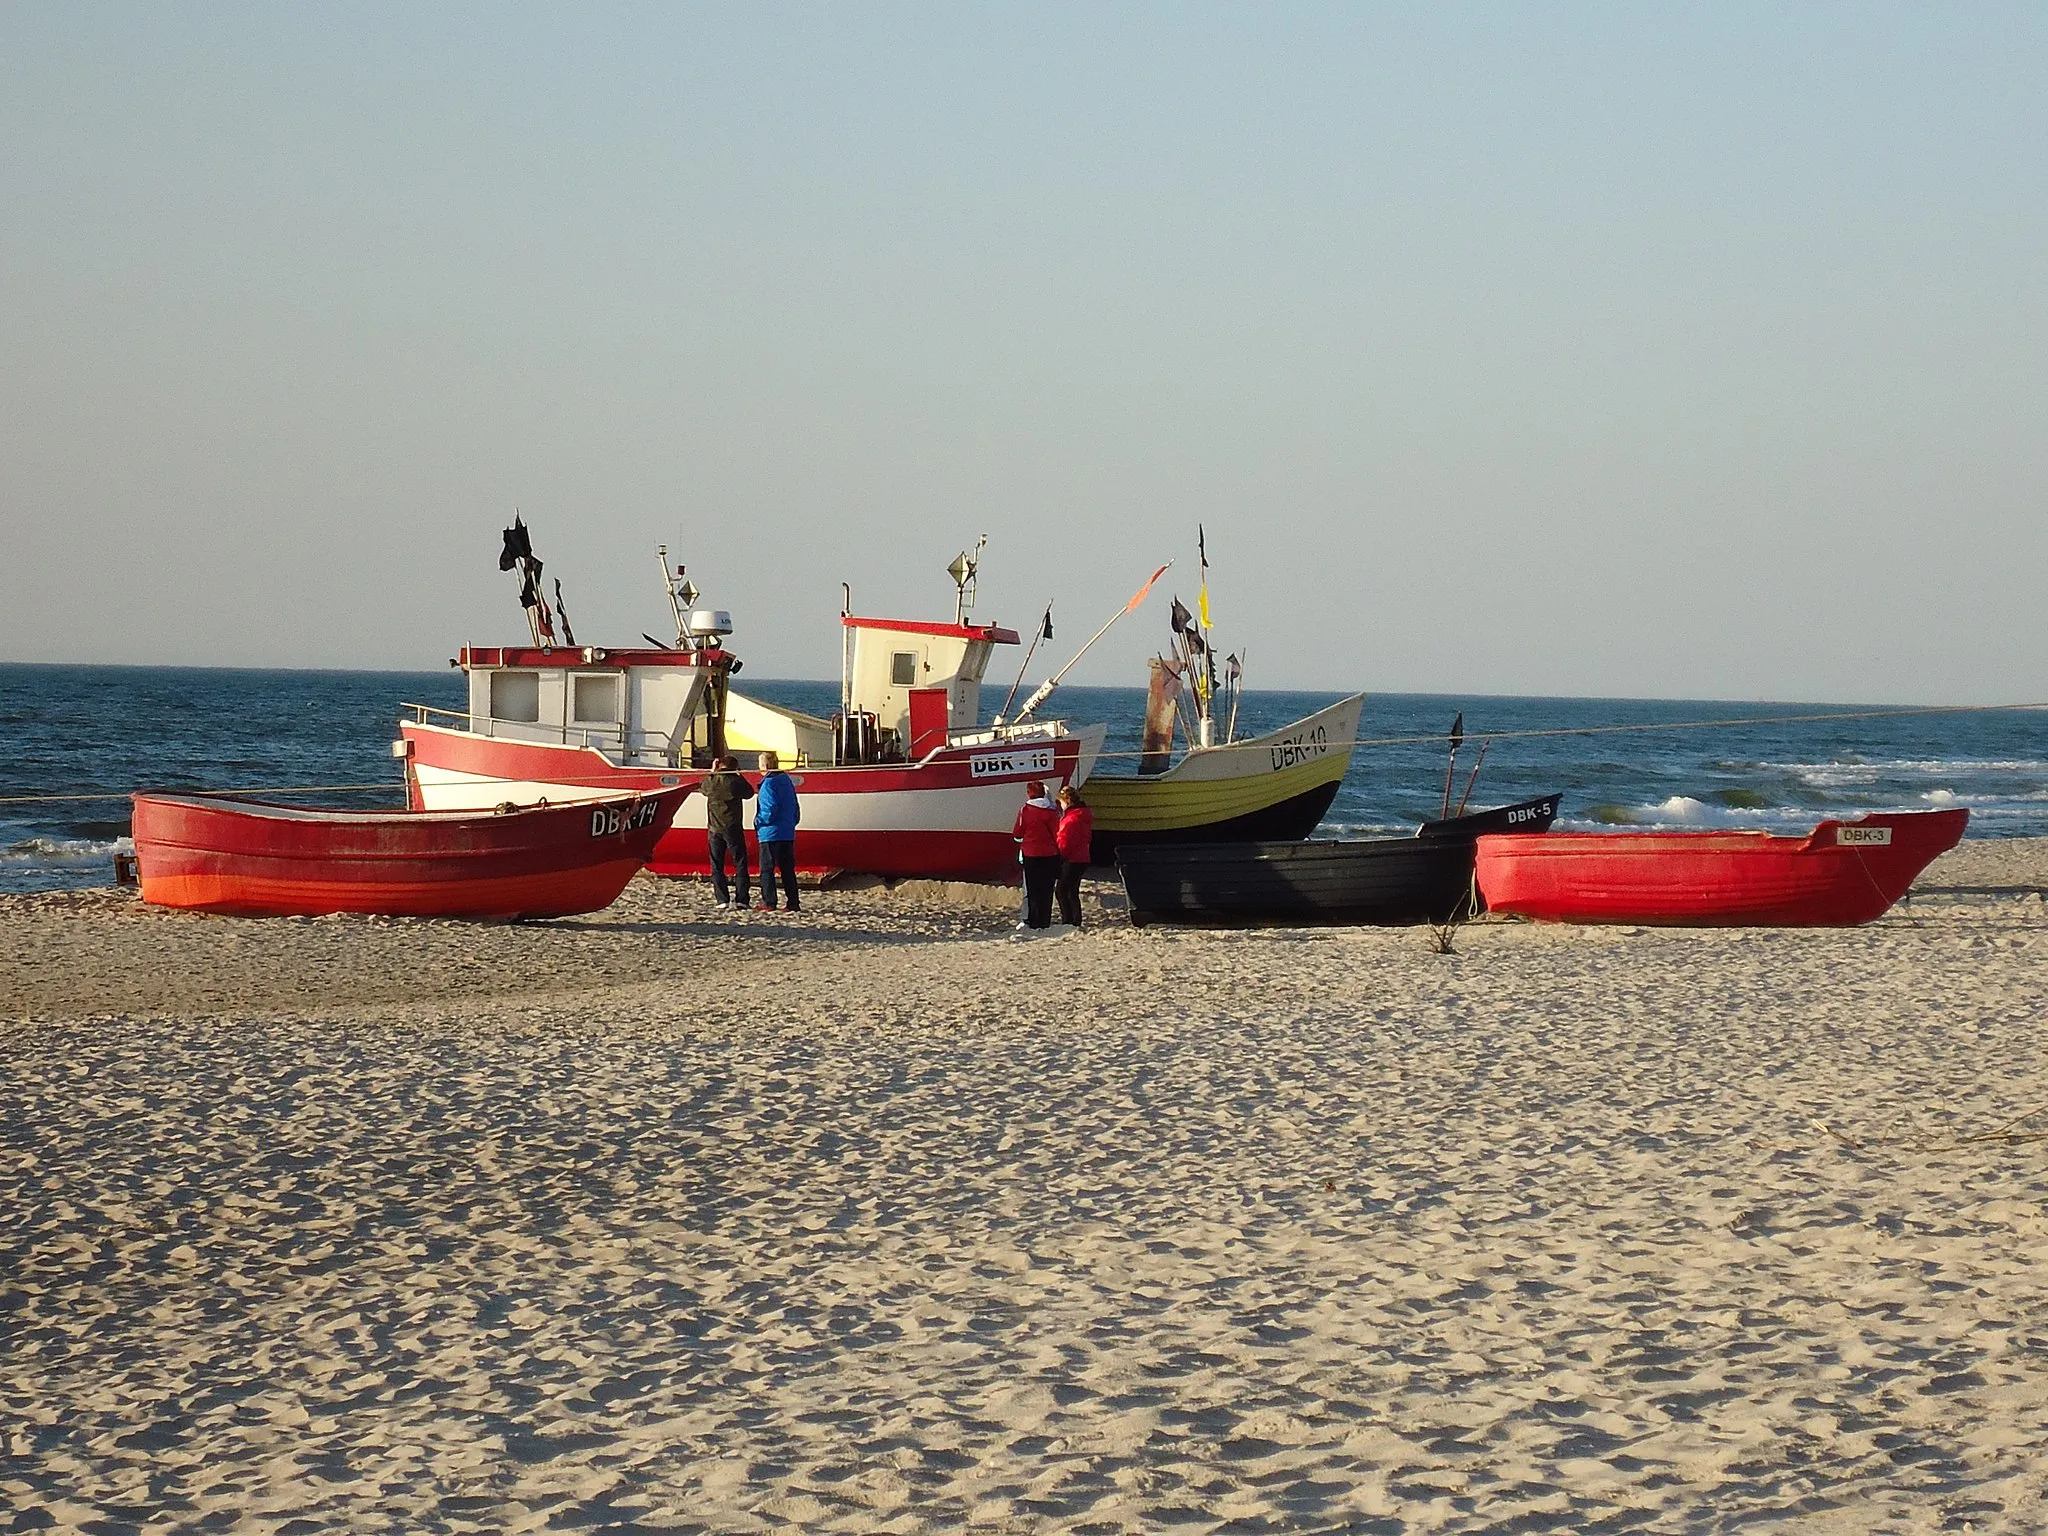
x,y
1003,765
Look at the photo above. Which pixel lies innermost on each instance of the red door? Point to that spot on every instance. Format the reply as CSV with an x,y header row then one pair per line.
x,y
927,720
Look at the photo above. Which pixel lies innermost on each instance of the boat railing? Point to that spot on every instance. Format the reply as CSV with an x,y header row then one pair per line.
x,y
601,738
996,735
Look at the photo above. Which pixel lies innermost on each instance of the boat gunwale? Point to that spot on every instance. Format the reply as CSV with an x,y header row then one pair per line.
x,y
271,810
1341,750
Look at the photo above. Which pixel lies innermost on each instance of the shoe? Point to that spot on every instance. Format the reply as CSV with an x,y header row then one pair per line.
x,y
764,907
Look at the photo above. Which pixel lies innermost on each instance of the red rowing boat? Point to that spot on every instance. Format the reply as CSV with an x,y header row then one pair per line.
x,y
253,859
1841,874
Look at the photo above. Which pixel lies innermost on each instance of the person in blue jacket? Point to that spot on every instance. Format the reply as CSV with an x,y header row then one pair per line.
x,y
775,819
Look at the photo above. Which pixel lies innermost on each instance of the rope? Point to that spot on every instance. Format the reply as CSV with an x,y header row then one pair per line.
x,y
287,789
1437,738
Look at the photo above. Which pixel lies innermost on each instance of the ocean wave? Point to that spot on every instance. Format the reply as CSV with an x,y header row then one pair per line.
x,y
64,850
1676,811
1856,770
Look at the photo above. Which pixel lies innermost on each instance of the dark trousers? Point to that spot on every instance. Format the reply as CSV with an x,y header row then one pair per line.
x,y
1069,892
1039,875
778,858
724,842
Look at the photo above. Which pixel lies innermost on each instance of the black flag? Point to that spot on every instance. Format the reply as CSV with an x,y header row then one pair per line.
x,y
1182,619
562,613
518,546
1458,731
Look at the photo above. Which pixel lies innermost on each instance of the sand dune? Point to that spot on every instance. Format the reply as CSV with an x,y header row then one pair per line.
x,y
882,1220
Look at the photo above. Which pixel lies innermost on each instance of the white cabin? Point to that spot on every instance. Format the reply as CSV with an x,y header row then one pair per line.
x,y
908,689
654,708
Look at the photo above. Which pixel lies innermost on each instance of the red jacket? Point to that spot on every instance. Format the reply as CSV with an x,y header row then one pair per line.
x,y
1077,832
1038,830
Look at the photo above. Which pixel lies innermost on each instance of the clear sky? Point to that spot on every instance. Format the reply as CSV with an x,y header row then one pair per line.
x,y
1680,351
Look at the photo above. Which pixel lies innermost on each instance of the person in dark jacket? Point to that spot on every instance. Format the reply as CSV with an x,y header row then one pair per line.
x,y
1037,833
725,829
775,819
1076,834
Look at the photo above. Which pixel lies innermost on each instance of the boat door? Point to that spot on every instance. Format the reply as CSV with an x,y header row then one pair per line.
x,y
927,720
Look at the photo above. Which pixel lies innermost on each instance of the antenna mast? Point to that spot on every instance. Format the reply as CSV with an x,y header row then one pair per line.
x,y
964,570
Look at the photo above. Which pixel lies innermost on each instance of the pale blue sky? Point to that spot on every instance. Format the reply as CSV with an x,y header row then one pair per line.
x,y
1560,349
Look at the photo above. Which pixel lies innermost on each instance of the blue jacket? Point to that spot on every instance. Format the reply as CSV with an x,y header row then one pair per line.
x,y
775,812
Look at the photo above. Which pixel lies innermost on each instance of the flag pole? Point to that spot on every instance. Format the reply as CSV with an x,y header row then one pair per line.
x,y
1451,768
1044,632
1045,688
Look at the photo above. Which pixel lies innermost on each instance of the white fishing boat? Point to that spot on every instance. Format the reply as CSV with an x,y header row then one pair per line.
x,y
904,780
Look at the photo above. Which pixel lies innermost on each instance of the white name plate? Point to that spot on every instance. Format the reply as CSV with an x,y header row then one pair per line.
x,y
1005,765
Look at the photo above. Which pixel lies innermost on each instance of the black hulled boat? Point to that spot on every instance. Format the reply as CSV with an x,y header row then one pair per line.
x,y
1425,878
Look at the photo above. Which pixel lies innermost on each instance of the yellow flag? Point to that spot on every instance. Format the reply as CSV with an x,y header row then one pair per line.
x,y
1203,604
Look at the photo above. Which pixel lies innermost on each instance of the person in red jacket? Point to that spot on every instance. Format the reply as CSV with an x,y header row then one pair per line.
x,y
1076,835
1037,830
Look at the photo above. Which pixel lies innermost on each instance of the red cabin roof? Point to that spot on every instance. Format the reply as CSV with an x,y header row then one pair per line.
x,y
993,633
586,656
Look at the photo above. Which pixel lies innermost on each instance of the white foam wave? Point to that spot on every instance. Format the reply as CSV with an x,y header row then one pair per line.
x,y
64,850
1846,772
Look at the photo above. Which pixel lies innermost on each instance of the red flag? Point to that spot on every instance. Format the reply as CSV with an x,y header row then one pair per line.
x,y
1140,597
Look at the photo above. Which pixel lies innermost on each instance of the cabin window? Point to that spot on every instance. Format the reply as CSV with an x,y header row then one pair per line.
x,y
596,700
903,669
515,696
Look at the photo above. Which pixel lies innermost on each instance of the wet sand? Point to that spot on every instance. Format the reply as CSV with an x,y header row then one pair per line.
x,y
881,1220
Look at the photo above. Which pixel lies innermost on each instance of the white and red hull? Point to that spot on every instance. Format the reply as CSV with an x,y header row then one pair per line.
x,y
947,817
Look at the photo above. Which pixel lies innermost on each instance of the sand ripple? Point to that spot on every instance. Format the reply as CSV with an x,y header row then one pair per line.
x,y
891,1223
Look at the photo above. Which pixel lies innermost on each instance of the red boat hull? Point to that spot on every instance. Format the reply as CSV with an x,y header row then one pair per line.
x,y
258,860
1843,874
945,819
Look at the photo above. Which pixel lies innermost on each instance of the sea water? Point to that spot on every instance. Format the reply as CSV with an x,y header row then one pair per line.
x,y
84,732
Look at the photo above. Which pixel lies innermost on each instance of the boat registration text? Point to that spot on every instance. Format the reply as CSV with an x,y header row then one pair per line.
x,y
1863,837
1299,749
1003,765
609,820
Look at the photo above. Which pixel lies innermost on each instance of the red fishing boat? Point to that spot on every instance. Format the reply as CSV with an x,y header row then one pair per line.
x,y
903,779
1841,874
252,859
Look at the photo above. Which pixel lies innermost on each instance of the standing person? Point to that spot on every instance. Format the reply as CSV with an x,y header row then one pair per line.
x,y
725,829
1076,837
1037,829
775,819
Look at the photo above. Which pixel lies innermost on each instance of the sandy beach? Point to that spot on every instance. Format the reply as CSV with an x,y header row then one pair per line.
x,y
878,1219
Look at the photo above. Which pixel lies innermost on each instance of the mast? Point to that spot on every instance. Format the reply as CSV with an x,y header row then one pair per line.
x,y
845,649
1207,694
